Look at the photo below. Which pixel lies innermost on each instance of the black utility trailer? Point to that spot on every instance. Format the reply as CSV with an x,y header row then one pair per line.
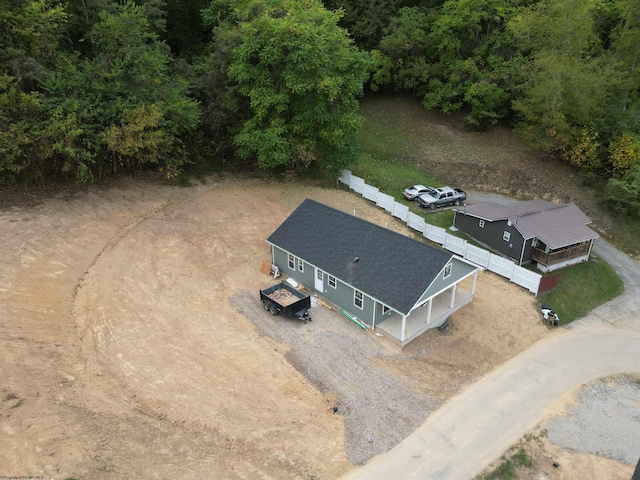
x,y
283,299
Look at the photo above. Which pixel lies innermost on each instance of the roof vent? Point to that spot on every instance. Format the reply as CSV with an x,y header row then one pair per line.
x,y
356,259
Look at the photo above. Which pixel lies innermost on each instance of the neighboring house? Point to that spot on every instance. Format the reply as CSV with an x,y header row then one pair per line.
x,y
550,235
389,281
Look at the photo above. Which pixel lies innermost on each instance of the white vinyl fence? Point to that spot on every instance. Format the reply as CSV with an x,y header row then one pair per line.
x,y
495,263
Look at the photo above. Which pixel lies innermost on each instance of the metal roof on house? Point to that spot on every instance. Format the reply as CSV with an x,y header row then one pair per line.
x,y
390,267
555,225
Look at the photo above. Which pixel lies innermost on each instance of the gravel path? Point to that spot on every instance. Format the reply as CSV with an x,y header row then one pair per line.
x,y
606,422
380,409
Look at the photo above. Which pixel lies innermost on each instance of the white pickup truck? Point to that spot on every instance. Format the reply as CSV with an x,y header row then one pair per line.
x,y
437,197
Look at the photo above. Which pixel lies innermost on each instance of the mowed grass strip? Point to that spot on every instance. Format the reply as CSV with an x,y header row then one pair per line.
x,y
582,288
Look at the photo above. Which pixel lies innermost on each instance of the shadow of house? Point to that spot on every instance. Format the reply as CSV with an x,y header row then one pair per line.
x,y
386,280
551,236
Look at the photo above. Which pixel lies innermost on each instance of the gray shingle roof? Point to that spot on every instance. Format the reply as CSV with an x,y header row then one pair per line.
x,y
556,225
392,268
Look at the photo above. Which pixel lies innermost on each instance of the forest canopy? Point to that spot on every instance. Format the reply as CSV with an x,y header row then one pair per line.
x,y
89,87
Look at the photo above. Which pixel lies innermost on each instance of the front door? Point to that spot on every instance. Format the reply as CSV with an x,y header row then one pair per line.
x,y
319,285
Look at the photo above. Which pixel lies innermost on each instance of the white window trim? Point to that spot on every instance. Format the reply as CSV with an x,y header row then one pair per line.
x,y
506,236
447,271
292,262
300,265
355,299
333,283
385,309
481,223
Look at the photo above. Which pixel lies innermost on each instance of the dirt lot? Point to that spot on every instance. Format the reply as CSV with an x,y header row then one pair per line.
x,y
123,357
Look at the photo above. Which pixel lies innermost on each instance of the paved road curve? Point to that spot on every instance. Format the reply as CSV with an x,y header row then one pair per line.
x,y
474,428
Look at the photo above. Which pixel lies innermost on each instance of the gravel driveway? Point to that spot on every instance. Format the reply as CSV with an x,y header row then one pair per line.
x,y
379,409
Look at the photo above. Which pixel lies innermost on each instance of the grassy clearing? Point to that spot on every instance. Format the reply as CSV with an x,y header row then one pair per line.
x,y
582,288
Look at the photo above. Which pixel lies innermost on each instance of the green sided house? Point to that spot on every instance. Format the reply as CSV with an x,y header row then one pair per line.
x,y
388,281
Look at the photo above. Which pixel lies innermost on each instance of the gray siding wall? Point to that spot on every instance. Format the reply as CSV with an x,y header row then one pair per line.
x,y
342,295
491,234
380,317
459,270
281,259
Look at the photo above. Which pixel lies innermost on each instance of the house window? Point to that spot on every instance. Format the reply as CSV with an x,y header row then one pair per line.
x,y
506,236
447,271
319,274
481,223
300,265
332,281
358,299
385,309
292,262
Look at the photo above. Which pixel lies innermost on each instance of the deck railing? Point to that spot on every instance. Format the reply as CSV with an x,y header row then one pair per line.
x,y
556,256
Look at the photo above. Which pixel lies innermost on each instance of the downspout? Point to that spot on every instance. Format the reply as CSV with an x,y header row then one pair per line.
x,y
403,329
373,321
524,244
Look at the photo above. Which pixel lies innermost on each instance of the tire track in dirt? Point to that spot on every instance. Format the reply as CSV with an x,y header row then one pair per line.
x,y
164,331
45,248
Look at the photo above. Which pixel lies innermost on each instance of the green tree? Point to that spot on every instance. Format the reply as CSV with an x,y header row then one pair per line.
x,y
474,62
567,80
624,153
402,56
19,111
626,45
300,76
623,195
129,72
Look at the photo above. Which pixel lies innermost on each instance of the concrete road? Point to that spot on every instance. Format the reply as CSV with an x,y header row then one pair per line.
x,y
474,428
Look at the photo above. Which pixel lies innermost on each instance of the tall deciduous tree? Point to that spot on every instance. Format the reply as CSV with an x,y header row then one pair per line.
x,y
402,55
567,80
123,90
300,74
475,63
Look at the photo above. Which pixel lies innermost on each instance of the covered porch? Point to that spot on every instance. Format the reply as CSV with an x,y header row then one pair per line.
x,y
430,314
561,257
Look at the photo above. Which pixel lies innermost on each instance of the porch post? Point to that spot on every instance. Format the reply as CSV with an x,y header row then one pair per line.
x,y
473,285
429,311
404,328
453,295
590,245
273,255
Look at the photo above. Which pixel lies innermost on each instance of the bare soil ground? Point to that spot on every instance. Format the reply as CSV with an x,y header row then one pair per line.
x,y
552,462
122,356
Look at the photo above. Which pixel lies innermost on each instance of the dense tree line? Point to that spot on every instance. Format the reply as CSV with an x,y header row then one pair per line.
x,y
93,86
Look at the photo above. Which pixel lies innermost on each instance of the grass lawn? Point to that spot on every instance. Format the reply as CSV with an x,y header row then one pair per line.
x,y
394,139
582,288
